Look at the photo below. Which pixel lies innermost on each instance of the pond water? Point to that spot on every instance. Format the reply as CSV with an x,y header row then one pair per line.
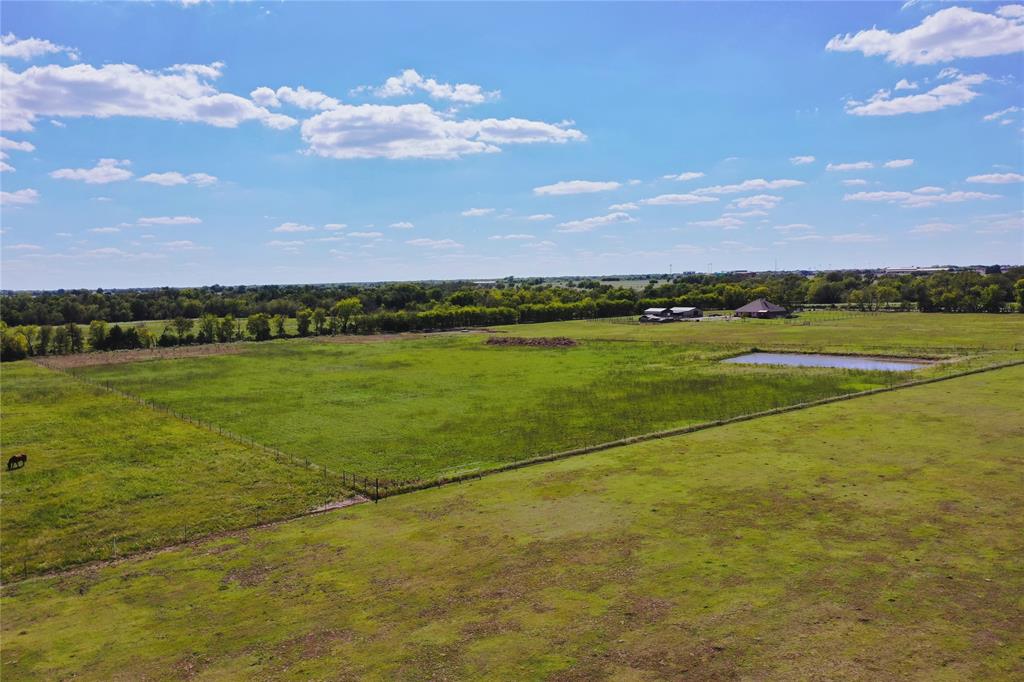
x,y
842,361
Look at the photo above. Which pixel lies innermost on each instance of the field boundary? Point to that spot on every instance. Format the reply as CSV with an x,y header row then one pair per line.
x,y
391,491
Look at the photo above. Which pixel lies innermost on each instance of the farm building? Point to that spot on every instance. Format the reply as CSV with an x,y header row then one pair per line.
x,y
761,308
670,314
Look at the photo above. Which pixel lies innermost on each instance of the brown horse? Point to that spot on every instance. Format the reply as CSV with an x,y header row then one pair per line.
x,y
17,461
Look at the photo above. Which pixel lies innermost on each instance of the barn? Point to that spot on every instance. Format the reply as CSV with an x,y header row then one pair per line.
x,y
762,309
670,314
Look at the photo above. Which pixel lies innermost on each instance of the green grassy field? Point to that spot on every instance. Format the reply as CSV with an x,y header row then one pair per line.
x,y
106,476
878,538
835,332
441,405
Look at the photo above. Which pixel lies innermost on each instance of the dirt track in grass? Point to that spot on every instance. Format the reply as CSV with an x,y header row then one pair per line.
x,y
120,357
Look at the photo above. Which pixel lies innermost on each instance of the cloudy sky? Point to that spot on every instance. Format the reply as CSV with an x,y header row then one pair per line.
x,y
148,144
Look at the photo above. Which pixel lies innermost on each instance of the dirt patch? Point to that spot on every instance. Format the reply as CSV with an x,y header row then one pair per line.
x,y
378,338
538,342
119,357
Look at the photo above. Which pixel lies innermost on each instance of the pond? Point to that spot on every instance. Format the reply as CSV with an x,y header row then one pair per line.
x,y
842,361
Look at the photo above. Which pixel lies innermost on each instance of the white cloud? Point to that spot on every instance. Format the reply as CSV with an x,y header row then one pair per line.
x,y
409,81
435,243
418,131
293,227
792,227
511,236
172,178
856,165
857,238
688,175
286,244
299,97
725,222
958,91
933,228
536,217
16,145
179,93
105,230
335,226
575,187
899,163
542,245
1001,115
951,33
477,212
402,225
677,199
904,84
366,235
11,47
929,189
924,196
746,214
997,178
749,186
801,160
628,206
762,201
170,220
105,171
24,247
183,245
19,198
853,182
588,224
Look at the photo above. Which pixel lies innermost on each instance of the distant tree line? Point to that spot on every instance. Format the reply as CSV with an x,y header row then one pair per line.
x,y
61,322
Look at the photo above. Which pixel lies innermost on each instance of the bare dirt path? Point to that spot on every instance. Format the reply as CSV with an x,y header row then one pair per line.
x,y
119,357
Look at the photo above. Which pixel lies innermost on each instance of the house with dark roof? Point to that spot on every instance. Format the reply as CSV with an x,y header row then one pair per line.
x,y
762,309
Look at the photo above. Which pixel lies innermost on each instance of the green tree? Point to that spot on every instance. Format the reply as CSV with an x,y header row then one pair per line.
x,y
342,313
302,319
1019,288
208,327
45,339
97,335
258,326
182,326
319,319
279,326
226,330
75,338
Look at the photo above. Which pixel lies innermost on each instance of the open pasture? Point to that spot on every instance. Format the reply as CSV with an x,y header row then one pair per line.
x,y
439,406
878,538
106,476
907,334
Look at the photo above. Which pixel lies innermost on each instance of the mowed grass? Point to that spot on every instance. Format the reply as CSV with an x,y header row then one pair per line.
x,y
878,538
436,406
106,476
905,334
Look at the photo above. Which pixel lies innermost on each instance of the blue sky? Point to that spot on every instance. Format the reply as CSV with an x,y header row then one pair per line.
x,y
152,144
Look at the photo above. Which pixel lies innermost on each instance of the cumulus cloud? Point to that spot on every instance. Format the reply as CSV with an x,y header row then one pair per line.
x,y
855,165
749,186
853,182
537,217
899,163
677,199
762,201
105,171
575,187
724,222
801,160
366,235
172,178
997,178
477,212
410,81
924,196
588,224
956,92
170,220
628,206
949,34
904,84
182,92
418,131
16,145
299,97
511,236
20,197
13,47
286,244
402,225
688,175
933,228
335,226
435,243
105,230
293,227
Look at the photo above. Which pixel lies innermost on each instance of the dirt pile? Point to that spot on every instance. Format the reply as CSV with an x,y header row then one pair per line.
x,y
539,342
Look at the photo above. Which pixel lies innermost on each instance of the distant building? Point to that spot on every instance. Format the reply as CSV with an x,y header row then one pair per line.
x,y
912,271
762,309
670,314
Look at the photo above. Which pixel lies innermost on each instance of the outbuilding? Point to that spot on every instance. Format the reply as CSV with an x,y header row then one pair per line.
x,y
762,309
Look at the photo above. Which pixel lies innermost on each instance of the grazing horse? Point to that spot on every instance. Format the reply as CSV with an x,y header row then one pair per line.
x,y
17,461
